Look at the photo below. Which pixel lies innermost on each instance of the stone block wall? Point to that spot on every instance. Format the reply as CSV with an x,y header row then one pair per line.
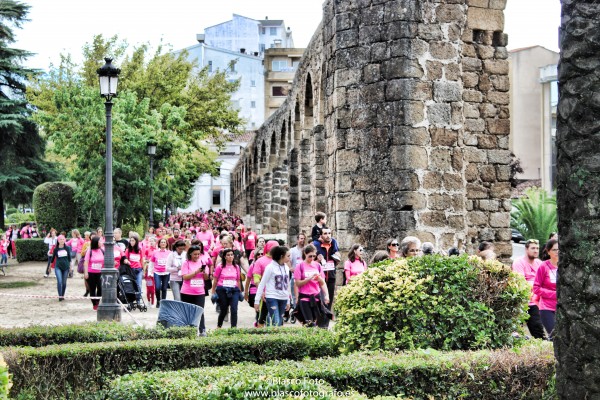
x,y
397,124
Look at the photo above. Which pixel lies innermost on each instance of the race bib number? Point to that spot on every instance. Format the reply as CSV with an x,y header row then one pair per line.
x,y
552,276
162,262
96,266
229,283
134,257
197,282
62,253
117,254
205,243
329,266
310,274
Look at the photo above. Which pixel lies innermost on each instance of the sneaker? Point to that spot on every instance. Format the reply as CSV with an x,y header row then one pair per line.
x,y
95,307
86,294
203,333
46,275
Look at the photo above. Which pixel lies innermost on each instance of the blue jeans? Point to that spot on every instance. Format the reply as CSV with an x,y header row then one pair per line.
x,y
4,259
176,288
161,282
276,309
61,280
139,276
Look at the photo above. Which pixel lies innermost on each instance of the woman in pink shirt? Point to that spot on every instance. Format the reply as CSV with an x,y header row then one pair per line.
x,y
354,265
92,269
544,286
135,259
227,285
158,267
194,272
75,243
309,279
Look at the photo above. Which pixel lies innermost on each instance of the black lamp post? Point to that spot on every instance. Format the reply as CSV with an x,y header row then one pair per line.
x,y
151,153
109,309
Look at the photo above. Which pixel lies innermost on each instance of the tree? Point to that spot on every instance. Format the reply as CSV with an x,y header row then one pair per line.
x,y
21,147
534,215
578,191
153,105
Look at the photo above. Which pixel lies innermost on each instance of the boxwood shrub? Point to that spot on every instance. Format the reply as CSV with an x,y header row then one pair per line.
x,y
5,383
55,206
38,336
446,303
75,369
31,250
506,374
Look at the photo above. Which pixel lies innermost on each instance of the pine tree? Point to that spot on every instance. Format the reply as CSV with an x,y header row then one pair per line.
x,y
22,166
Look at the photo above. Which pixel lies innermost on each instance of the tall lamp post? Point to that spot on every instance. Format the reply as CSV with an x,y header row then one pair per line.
x,y
151,154
109,309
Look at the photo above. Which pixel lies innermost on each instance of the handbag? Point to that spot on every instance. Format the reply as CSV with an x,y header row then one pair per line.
x,y
80,268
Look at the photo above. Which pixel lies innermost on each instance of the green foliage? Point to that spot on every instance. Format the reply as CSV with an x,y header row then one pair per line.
x,y
31,250
535,215
19,218
425,374
10,211
22,149
54,204
79,368
136,225
39,336
445,303
162,99
5,382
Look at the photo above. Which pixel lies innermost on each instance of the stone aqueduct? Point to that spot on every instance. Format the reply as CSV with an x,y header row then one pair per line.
x,y
397,123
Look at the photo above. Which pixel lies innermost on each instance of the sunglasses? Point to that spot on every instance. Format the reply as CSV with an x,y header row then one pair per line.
x,y
533,241
394,244
310,256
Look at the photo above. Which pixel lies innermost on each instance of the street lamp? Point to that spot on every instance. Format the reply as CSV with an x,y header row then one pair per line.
x,y
109,309
151,153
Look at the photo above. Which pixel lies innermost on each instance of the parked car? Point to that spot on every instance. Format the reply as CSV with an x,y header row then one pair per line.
x,y
517,237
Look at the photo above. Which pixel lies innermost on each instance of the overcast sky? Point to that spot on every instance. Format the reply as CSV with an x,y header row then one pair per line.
x,y
65,25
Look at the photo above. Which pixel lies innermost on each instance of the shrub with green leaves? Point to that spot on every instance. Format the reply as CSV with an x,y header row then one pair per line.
x,y
55,207
79,368
534,215
93,332
5,382
524,373
445,303
31,250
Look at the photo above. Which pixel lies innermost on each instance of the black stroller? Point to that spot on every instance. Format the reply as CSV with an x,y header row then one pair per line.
x,y
128,290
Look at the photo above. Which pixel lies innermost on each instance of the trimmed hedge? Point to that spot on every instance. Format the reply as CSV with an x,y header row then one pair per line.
x,y
53,371
54,204
508,374
445,303
31,250
93,332
5,383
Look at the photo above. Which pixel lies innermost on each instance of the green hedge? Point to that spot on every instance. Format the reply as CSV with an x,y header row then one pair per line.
x,y
55,206
4,380
31,250
526,373
93,332
52,371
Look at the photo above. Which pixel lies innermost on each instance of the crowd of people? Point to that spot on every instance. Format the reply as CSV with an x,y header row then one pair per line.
x,y
213,254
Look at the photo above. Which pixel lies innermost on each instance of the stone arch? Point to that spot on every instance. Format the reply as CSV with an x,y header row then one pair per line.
x,y
283,141
273,153
263,156
309,116
297,126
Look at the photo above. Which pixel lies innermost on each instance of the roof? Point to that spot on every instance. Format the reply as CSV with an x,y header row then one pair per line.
x,y
244,137
271,22
529,48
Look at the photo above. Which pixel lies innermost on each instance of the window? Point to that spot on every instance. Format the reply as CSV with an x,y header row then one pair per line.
x,y
261,47
279,65
279,91
263,31
210,66
232,64
252,104
216,197
273,31
252,83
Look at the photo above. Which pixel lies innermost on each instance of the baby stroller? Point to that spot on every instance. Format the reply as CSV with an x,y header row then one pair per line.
x,y
128,291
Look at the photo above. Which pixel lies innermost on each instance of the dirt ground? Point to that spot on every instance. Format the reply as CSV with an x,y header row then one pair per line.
x,y
21,312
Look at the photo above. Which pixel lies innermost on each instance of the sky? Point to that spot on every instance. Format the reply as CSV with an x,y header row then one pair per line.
x,y
64,26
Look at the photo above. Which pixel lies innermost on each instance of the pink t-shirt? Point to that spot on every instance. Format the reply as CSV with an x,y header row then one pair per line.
x,y
95,260
352,269
159,258
194,286
259,268
135,259
148,251
216,251
545,285
250,243
521,266
253,288
227,276
118,254
312,287
206,238
3,246
75,244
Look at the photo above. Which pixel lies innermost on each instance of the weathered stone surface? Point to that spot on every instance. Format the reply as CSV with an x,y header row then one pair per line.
x,y
442,50
443,137
409,157
485,19
439,114
447,91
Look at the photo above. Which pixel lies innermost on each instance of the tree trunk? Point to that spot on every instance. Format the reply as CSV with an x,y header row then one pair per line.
x,y
1,211
577,341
